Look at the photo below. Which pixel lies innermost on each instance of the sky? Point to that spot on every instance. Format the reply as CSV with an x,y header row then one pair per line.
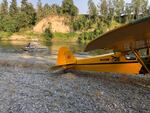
x,y
81,4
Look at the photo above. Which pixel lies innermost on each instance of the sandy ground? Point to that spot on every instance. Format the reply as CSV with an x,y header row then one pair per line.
x,y
33,89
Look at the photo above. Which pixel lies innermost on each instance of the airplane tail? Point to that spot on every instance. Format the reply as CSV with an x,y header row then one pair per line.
x,y
65,59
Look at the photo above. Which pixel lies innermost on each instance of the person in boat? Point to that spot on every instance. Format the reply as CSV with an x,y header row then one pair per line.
x,y
28,45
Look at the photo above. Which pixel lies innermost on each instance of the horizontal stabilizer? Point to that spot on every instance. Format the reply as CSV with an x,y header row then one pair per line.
x,y
54,68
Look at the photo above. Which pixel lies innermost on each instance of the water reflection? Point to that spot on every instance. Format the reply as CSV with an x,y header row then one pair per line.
x,y
46,48
39,47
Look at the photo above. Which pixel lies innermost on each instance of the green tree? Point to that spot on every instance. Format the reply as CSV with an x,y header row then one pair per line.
x,y
55,9
24,5
40,14
4,7
69,8
139,7
9,24
111,11
82,23
48,34
119,8
29,14
145,7
46,10
93,12
104,9
136,8
128,12
17,18
148,10
13,9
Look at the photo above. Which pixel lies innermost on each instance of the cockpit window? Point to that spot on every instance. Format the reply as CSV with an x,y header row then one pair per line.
x,y
130,56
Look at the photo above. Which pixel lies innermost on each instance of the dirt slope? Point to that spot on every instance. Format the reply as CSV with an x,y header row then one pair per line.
x,y
58,24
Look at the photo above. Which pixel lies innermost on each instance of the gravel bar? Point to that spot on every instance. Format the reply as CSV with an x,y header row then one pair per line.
x,y
27,90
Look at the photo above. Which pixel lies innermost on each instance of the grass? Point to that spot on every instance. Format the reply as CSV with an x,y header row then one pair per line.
x,y
5,34
114,25
65,35
30,34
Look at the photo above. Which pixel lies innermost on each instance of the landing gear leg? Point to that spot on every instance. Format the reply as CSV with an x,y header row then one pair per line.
x,y
140,60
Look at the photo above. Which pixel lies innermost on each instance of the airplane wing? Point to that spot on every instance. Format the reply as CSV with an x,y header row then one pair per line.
x,y
135,35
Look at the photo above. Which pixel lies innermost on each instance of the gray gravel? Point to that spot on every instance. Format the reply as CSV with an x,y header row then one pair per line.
x,y
27,90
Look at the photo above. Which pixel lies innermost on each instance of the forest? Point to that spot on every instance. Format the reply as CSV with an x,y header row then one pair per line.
x,y
108,14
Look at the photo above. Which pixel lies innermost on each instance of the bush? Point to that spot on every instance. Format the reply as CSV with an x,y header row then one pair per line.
x,y
81,23
65,35
88,36
9,24
5,34
48,34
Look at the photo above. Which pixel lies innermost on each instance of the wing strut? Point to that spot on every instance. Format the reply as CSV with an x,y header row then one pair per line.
x,y
140,60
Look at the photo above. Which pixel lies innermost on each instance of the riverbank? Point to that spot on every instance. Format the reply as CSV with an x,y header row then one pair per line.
x,y
25,35
27,85
29,34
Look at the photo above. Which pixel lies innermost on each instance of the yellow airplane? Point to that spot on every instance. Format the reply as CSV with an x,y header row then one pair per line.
x,y
131,38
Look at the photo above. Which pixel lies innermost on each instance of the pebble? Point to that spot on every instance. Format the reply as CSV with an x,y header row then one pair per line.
x,y
27,90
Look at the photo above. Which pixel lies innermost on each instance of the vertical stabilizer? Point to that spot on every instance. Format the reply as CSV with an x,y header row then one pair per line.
x,y
65,57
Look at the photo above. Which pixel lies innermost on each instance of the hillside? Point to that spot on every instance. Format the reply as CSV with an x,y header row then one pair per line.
x,y
57,23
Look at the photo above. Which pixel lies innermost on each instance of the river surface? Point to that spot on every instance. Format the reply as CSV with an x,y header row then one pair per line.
x,y
40,48
47,48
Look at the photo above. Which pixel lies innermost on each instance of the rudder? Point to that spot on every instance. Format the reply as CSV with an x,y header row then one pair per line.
x,y
65,57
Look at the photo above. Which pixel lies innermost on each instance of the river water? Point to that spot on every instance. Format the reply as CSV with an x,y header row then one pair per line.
x,y
47,48
39,47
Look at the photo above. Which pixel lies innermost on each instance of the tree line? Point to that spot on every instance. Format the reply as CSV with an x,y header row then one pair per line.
x,y
14,17
116,9
97,20
107,15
